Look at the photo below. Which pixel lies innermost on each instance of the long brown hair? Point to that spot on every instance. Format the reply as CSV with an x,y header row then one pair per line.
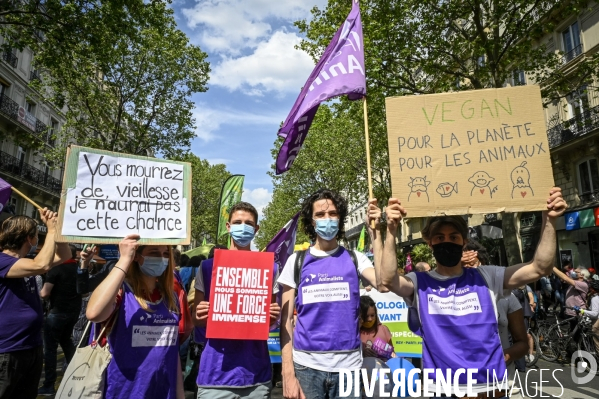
x,y
165,283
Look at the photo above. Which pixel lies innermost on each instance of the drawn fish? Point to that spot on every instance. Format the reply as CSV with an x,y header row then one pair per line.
x,y
446,189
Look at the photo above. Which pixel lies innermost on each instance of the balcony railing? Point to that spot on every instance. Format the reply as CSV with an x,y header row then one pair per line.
x,y
574,128
34,176
10,58
570,55
589,197
10,109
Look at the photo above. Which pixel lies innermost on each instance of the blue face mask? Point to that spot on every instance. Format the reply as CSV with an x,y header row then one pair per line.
x,y
327,229
242,234
154,266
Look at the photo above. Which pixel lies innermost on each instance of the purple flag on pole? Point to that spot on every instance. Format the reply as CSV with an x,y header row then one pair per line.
x,y
340,71
5,193
284,242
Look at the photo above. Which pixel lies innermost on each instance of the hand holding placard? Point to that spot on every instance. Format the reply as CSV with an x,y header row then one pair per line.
x,y
108,194
240,295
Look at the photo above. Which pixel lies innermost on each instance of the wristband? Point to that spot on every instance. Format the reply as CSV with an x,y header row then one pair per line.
x,y
116,267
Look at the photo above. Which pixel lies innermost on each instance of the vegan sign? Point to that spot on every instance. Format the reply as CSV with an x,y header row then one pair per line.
x,y
109,195
240,296
480,151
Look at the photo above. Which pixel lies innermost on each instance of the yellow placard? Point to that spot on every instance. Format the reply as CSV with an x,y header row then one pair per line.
x,y
481,151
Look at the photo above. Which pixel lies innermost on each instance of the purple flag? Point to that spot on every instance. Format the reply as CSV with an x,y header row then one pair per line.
x,y
339,71
284,242
5,193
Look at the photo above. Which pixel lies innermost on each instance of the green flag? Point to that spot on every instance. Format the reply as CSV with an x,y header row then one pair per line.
x,y
230,195
204,242
360,246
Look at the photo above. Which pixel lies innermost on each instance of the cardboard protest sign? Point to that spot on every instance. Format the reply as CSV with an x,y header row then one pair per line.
x,y
107,195
393,313
240,295
481,151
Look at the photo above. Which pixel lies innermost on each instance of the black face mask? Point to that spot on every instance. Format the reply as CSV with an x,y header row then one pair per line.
x,y
447,253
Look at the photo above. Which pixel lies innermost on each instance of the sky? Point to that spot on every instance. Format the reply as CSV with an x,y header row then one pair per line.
x,y
256,76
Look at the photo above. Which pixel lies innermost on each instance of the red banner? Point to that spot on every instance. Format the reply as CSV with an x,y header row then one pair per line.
x,y
240,295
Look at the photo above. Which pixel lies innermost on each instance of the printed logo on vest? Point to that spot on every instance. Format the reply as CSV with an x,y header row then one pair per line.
x,y
330,292
154,336
454,306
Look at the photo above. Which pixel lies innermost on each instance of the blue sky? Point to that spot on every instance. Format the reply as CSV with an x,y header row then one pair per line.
x,y
256,76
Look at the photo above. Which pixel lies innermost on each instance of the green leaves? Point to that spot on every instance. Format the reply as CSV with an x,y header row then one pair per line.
x,y
122,68
207,181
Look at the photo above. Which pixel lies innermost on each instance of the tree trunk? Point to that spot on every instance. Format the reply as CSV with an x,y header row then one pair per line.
x,y
510,239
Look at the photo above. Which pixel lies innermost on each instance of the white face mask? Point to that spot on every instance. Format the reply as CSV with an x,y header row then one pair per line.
x,y
33,247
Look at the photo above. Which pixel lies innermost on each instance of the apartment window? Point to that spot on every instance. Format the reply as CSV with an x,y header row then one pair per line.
x,y
518,78
571,42
30,107
52,132
588,176
3,89
21,155
578,102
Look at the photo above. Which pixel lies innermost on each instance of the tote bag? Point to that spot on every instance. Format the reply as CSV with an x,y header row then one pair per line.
x,y
85,376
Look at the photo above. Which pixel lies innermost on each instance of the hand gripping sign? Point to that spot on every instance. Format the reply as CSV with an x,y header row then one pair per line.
x,y
240,295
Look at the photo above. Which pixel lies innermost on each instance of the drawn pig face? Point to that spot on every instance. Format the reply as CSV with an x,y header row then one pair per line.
x,y
481,179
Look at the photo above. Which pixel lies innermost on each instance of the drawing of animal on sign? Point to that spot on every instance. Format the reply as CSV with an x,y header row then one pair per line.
x,y
446,189
418,189
482,184
520,177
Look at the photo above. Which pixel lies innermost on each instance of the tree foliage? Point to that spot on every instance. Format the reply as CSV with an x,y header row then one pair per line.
x,y
433,46
120,70
207,181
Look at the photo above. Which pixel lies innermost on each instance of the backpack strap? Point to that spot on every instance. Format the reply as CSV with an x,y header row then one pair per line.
x,y
297,267
354,259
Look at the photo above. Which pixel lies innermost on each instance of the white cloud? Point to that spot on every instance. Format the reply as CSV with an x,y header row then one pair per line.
x,y
275,65
259,197
229,26
209,120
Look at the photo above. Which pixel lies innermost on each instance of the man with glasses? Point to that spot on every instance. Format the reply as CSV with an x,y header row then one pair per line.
x,y
323,283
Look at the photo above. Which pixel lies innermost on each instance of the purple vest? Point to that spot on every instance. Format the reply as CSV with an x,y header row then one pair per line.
x,y
230,362
328,305
144,350
199,333
458,325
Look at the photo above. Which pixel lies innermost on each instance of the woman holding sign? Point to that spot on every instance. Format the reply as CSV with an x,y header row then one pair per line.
x,y
138,299
21,353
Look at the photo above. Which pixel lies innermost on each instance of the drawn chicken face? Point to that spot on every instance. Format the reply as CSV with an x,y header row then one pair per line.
x,y
520,176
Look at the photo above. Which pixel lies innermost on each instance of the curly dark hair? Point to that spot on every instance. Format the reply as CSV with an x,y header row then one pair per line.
x,y
308,209
366,303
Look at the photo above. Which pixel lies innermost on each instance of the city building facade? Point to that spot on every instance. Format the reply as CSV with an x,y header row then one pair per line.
x,y
25,117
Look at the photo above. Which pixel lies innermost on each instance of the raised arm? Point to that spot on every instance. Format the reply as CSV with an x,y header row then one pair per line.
x,y
374,215
562,276
542,263
390,280
103,300
45,259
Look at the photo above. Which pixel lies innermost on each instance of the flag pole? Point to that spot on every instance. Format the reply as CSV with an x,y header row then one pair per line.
x,y
369,170
26,198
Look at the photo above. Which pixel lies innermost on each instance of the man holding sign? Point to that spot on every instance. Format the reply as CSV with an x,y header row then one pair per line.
x,y
234,368
452,296
323,283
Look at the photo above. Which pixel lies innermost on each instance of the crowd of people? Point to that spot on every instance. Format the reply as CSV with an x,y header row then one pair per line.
x,y
153,289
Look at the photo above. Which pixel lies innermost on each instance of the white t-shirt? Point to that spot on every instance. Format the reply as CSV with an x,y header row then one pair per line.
x,y
199,282
331,361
